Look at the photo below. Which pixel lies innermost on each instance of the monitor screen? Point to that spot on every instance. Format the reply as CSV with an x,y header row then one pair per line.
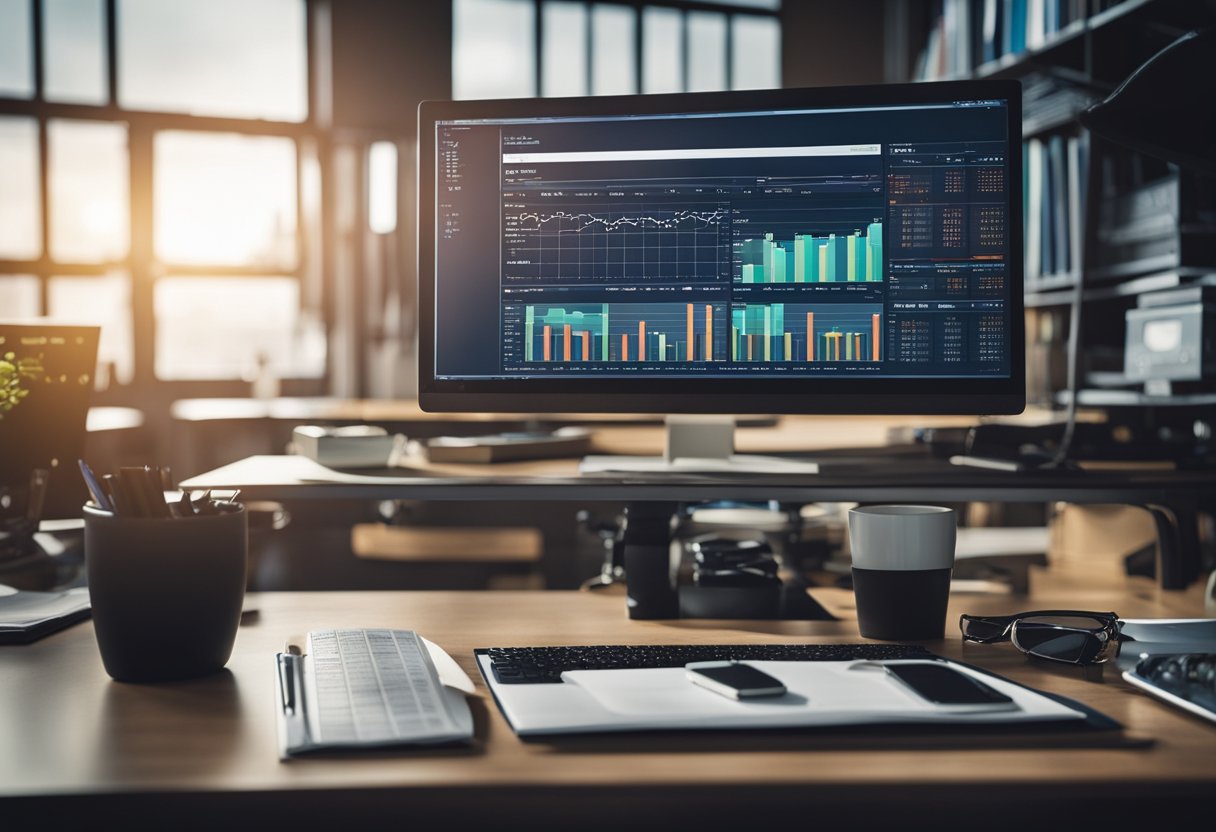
x,y
836,250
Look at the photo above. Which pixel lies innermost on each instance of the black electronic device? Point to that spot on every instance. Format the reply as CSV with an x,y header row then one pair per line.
x,y
734,680
943,685
835,250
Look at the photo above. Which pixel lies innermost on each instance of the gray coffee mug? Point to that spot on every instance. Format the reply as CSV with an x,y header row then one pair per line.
x,y
166,592
902,560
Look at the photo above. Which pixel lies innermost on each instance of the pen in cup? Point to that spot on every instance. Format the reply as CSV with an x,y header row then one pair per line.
x,y
143,491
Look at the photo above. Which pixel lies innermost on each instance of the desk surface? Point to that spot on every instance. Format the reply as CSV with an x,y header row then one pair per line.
x,y
866,476
74,740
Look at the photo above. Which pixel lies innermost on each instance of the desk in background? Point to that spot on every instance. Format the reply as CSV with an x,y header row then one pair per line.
x,y
1175,498
203,753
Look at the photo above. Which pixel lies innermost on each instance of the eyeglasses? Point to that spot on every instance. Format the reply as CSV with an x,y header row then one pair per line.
x,y
1072,636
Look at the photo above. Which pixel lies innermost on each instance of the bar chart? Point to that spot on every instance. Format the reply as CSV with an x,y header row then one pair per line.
x,y
625,333
806,333
807,258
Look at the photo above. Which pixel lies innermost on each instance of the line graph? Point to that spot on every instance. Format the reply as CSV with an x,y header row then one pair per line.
x,y
614,243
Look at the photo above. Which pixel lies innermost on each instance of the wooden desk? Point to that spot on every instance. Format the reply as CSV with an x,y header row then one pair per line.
x,y
204,752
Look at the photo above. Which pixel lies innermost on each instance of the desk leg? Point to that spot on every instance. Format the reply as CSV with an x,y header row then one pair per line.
x,y
1177,545
650,584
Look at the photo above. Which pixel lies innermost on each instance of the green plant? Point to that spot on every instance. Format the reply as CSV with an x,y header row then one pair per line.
x,y
13,371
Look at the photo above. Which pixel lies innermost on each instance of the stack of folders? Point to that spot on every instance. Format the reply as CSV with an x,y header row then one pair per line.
x,y
28,616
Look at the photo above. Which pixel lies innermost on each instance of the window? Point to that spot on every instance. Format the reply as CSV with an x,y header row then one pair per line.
x,y
90,214
16,49
565,49
609,48
493,48
225,199
21,229
237,58
208,118
74,36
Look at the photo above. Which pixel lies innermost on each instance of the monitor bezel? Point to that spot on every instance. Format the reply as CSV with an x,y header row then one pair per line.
x,y
938,395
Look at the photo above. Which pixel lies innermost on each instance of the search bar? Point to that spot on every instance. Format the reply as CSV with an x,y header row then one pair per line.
x,y
692,153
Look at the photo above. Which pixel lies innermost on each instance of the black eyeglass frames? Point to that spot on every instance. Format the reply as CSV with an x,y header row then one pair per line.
x,y
1072,636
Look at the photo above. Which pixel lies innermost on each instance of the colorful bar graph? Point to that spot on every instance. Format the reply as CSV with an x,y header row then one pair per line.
x,y
780,332
851,258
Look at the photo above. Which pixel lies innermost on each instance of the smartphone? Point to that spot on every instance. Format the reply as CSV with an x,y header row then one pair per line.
x,y
943,685
735,680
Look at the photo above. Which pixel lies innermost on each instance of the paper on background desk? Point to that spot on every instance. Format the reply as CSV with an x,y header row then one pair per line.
x,y
820,694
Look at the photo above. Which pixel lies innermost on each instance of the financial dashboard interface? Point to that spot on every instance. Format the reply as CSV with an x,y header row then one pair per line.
x,y
859,242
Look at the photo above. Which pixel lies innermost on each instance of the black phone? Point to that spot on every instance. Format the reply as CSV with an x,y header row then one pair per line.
x,y
943,685
734,679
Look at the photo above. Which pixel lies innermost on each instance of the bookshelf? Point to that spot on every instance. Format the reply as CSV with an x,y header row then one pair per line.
x,y
1104,226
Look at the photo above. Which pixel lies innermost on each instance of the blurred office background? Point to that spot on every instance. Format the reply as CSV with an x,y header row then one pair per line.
x,y
227,186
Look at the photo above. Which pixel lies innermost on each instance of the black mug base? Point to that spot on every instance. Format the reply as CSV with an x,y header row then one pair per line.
x,y
901,605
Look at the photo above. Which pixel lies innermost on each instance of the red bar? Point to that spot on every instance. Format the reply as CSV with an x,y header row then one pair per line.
x,y
691,338
624,347
586,345
874,341
641,340
566,342
709,332
810,336
548,334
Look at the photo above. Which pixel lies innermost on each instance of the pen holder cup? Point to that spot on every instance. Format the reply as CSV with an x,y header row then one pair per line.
x,y
166,592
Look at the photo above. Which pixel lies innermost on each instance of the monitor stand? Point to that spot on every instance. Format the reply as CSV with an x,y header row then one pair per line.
x,y
698,445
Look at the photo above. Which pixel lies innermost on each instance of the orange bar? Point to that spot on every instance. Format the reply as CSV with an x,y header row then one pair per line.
x,y
624,347
709,332
857,346
548,334
641,340
586,345
749,347
810,336
691,339
874,341
566,342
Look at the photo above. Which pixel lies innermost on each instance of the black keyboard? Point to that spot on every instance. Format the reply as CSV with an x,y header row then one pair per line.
x,y
545,665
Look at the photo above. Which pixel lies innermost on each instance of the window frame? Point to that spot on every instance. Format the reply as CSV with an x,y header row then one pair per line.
x,y
729,12
311,140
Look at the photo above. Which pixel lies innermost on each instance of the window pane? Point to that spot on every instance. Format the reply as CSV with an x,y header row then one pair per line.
x,y
20,221
103,301
243,322
238,58
662,50
565,49
706,51
755,53
493,48
16,49
612,50
382,187
223,199
754,4
19,296
74,57
89,205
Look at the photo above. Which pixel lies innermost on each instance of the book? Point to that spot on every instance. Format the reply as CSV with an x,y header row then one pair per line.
x,y
27,616
502,447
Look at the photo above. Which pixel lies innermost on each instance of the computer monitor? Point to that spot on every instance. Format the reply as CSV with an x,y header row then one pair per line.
x,y
841,250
